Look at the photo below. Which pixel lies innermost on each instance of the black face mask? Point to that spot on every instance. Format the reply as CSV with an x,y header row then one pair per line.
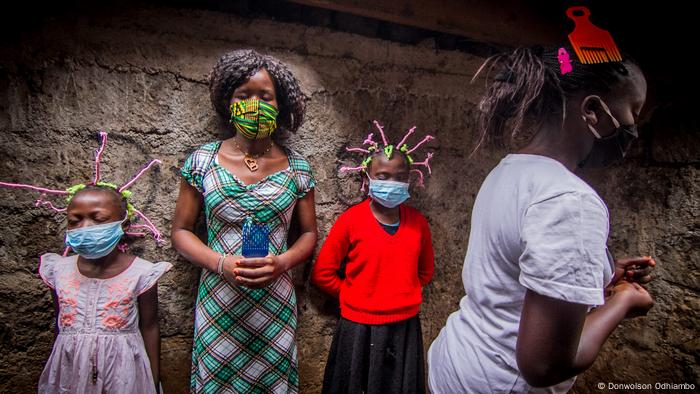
x,y
612,148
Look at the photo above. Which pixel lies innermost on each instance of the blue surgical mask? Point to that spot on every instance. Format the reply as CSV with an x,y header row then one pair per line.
x,y
388,193
94,242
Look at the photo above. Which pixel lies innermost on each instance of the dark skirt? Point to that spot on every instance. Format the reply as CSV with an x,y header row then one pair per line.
x,y
376,359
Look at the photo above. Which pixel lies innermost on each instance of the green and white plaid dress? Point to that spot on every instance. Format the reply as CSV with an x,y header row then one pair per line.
x,y
244,339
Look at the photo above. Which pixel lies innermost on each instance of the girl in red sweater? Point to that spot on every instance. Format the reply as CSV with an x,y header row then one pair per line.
x,y
386,251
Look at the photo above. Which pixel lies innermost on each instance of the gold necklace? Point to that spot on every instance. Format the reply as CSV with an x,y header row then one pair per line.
x,y
251,160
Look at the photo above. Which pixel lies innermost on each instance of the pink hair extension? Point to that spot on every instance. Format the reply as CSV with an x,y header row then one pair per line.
x,y
421,182
122,247
135,234
405,137
425,163
65,251
381,131
360,150
375,147
150,225
131,182
98,157
41,201
139,226
351,169
426,139
369,140
35,188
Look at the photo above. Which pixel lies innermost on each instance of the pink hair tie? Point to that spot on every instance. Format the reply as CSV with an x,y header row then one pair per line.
x,y
564,61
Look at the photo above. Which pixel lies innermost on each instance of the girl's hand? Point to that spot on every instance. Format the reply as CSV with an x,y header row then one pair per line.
x,y
635,269
634,296
230,263
259,272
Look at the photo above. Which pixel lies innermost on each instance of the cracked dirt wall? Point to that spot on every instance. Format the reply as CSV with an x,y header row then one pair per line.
x,y
140,74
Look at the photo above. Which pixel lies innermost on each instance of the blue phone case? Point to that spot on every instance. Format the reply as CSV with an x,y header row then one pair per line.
x,y
256,239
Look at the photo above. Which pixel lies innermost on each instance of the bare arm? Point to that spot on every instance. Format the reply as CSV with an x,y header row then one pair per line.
x,y
304,245
187,209
150,329
558,340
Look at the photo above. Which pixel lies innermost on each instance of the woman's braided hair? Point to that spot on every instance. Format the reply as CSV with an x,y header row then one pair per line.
x,y
527,88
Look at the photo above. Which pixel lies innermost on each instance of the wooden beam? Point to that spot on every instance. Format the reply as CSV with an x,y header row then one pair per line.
x,y
505,22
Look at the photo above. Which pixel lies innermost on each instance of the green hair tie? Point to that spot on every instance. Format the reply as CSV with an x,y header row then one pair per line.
x,y
404,149
126,194
74,189
388,151
366,161
130,210
107,184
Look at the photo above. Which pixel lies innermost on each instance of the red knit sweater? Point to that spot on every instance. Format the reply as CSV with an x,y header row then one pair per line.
x,y
384,274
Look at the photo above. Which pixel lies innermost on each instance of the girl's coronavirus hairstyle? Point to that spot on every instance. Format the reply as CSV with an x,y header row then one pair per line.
x,y
234,68
370,148
139,224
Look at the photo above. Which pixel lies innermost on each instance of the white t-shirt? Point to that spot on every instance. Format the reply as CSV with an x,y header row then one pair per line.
x,y
535,225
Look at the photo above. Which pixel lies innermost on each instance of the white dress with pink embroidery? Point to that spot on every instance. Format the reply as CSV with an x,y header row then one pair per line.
x,y
99,348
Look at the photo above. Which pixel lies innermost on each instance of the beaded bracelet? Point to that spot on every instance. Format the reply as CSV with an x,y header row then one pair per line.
x,y
220,264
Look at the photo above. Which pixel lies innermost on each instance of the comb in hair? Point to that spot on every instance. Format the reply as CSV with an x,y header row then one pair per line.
x,y
591,43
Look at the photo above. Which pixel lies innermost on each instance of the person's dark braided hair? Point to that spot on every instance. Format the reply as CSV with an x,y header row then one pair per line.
x,y
526,88
380,152
118,198
236,67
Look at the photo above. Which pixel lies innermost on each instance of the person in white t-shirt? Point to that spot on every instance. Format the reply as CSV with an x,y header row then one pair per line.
x,y
542,291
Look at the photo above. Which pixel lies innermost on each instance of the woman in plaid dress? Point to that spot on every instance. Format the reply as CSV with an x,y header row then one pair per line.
x,y
245,314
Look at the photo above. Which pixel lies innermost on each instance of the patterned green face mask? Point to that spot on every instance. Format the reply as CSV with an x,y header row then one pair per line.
x,y
253,118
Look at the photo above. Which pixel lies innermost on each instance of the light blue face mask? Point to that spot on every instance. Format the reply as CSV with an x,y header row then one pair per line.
x,y
388,193
96,241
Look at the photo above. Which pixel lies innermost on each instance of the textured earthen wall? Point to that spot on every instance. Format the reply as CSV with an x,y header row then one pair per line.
x,y
140,74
